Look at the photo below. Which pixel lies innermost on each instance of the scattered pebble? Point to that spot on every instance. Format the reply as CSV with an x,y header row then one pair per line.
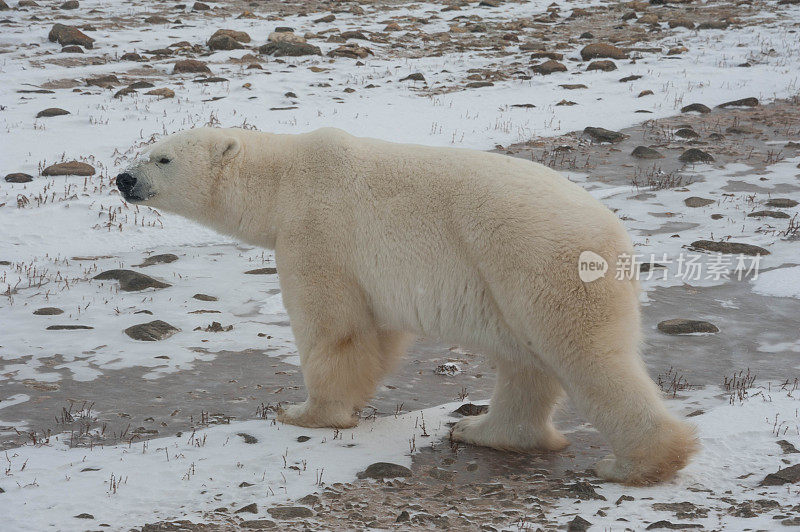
x,y
131,281
69,168
685,326
151,331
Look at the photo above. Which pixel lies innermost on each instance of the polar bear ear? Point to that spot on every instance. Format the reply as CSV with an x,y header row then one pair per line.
x,y
226,149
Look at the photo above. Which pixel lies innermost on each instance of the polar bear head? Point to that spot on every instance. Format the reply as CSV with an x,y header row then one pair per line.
x,y
182,172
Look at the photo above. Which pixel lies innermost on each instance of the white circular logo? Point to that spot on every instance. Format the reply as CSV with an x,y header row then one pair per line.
x,y
591,266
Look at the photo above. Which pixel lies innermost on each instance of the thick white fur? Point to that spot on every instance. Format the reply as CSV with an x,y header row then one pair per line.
x,y
377,243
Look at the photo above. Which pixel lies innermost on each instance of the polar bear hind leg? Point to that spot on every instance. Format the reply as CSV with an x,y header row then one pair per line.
x,y
520,412
600,368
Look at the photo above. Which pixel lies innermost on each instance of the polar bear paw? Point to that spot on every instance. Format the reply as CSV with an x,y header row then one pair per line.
x,y
314,415
609,468
483,430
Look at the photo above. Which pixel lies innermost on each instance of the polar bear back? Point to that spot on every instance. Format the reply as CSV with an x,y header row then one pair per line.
x,y
434,233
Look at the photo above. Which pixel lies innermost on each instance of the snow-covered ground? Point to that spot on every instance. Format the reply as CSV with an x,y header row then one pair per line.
x,y
57,233
192,474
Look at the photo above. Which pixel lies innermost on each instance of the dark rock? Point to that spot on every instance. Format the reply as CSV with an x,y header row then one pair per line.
x,y
782,203
741,130
70,4
696,107
787,447
682,510
626,79
216,327
164,258
353,35
714,25
258,524
84,515
68,327
352,51
573,86
162,92
604,65
768,214
141,85
684,326
385,470
124,92
579,524
309,500
48,311
200,6
548,67
547,55
251,508
205,297
695,202
52,111
744,102
696,155
289,512
72,49
584,491
130,56
417,76
787,475
734,248
599,134
69,168
681,23
131,281
190,66
326,18
151,331
479,84
224,42
647,266
403,517
262,271
290,49
66,35
687,133
156,19
469,409
106,81
643,152
303,439
673,526
240,36
596,50
18,177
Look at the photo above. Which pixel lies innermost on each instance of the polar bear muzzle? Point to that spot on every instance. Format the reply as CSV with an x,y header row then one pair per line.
x,y
133,189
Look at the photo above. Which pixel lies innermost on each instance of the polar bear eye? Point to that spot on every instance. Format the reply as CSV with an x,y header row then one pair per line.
x,y
164,160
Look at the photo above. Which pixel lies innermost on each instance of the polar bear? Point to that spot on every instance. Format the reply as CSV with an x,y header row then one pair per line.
x,y
378,243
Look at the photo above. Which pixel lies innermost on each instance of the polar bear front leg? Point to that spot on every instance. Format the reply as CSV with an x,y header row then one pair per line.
x,y
519,417
343,354
341,374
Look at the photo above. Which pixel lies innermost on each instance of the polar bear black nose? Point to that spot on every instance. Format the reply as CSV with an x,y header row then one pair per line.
x,y
125,183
